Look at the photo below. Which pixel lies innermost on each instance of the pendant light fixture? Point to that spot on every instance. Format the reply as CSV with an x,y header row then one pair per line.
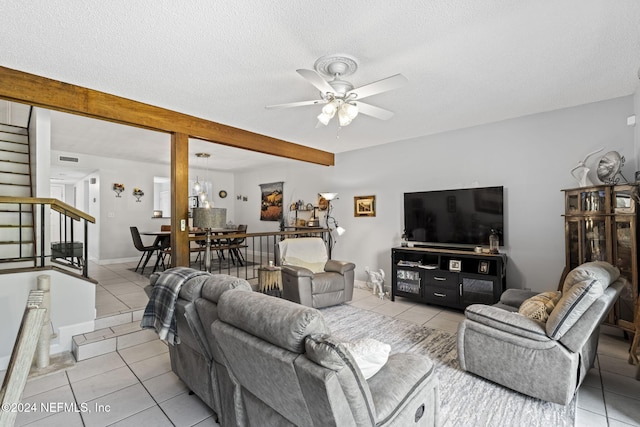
x,y
200,190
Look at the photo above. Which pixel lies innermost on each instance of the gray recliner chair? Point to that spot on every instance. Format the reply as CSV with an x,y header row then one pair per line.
x,y
286,370
547,360
309,277
192,360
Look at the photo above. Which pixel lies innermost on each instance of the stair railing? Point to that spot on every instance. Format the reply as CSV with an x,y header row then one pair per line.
x,y
66,251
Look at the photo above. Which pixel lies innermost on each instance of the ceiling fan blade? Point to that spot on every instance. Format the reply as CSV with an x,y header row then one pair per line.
x,y
316,79
370,110
296,104
384,85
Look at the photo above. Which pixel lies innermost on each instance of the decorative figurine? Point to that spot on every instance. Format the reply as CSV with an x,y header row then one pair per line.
x,y
582,178
377,280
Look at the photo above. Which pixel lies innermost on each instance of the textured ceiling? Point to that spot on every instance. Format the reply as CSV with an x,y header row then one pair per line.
x,y
468,62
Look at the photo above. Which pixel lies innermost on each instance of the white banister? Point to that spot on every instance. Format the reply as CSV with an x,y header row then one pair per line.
x,y
44,343
21,357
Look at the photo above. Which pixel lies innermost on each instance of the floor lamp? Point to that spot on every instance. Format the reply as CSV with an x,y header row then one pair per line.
x,y
208,218
330,219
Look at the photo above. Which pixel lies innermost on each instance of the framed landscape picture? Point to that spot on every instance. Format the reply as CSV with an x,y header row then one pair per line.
x,y
364,206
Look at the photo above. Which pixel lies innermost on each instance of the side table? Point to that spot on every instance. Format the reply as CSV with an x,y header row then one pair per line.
x,y
270,280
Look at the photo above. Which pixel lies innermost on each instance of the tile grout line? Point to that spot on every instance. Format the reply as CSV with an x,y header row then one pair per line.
x,y
73,393
147,390
604,401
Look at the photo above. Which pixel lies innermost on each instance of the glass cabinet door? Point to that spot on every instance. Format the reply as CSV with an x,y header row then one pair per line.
x,y
573,243
624,198
594,201
408,281
594,246
623,259
572,201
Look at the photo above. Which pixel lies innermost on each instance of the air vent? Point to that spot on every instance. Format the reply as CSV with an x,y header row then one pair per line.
x,y
68,159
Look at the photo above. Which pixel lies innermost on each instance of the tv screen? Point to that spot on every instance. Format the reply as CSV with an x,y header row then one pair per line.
x,y
463,217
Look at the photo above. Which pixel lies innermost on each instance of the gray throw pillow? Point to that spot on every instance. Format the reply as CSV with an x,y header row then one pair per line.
x,y
582,287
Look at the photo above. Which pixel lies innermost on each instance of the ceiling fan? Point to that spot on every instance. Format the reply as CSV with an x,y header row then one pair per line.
x,y
339,95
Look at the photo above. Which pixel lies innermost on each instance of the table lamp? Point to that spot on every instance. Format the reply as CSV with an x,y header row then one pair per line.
x,y
208,218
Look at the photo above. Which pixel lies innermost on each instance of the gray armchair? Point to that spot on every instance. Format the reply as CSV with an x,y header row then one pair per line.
x,y
309,277
547,360
286,370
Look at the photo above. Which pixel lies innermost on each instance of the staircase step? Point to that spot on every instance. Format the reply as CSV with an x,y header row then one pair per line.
x,y
14,161
11,260
12,178
18,130
13,138
111,338
12,234
6,148
15,190
17,185
12,252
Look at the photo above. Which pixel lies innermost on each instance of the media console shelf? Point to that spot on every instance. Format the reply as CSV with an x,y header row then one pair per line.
x,y
447,277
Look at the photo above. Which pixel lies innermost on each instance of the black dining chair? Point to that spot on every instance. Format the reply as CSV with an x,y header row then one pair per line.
x,y
146,250
236,244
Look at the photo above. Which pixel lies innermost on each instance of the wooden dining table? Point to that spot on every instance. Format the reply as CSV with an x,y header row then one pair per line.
x,y
163,239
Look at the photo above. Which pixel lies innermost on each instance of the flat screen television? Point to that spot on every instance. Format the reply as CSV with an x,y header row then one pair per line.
x,y
456,218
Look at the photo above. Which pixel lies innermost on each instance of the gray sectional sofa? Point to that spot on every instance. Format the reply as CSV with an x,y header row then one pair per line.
x,y
260,360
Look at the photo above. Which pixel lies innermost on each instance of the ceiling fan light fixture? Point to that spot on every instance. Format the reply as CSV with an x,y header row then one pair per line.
x,y
331,108
324,118
350,109
343,117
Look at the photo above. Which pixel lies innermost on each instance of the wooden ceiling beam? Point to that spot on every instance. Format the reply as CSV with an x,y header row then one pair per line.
x,y
43,92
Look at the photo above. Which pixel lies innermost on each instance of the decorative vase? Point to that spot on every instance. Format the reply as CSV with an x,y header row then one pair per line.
x,y
494,242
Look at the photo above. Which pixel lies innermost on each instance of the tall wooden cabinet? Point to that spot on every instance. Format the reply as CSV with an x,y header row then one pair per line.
x,y
601,225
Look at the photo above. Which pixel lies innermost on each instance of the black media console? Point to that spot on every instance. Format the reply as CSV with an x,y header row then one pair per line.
x,y
448,277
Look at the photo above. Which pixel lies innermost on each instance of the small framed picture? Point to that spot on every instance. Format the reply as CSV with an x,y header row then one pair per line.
x,y
455,265
483,267
364,206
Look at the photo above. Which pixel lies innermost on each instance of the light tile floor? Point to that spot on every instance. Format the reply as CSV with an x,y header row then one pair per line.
x,y
136,387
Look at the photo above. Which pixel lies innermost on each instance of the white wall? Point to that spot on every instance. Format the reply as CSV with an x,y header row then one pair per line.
x,y
72,309
302,181
110,239
530,156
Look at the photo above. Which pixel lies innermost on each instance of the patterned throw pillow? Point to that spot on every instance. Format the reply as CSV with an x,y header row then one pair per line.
x,y
540,306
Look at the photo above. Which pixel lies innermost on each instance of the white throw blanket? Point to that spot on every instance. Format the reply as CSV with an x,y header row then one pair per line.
x,y
308,252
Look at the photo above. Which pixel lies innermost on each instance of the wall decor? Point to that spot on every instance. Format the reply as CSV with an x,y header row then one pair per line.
x,y
455,265
364,206
118,188
137,193
271,201
222,194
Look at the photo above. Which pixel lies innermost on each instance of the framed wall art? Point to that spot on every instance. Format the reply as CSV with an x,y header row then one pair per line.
x,y
271,205
364,206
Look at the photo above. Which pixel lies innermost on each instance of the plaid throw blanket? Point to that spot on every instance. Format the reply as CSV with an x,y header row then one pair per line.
x,y
160,311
